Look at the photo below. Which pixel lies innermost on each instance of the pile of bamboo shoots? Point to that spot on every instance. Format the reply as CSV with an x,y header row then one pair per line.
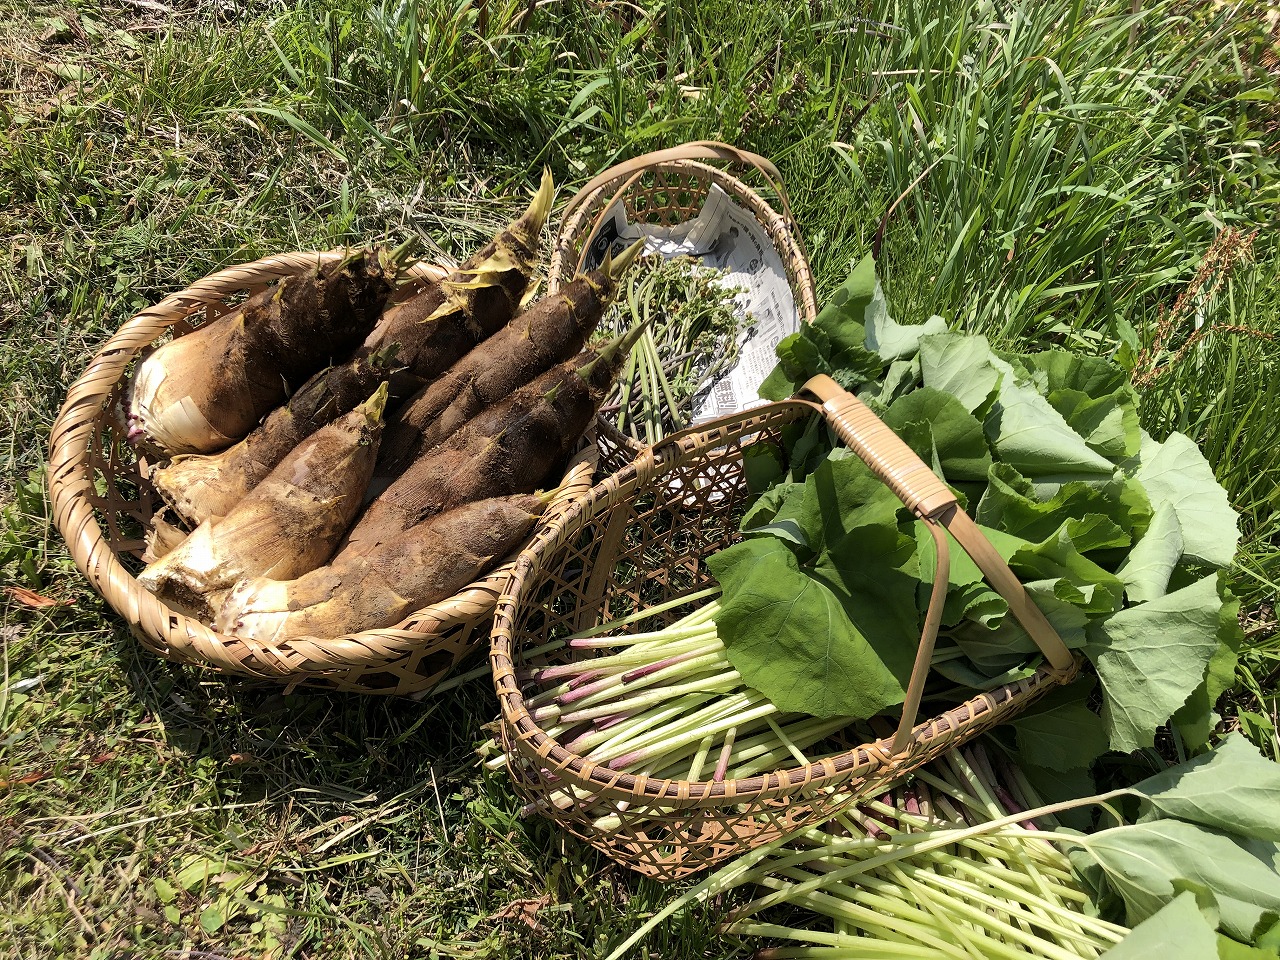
x,y
336,457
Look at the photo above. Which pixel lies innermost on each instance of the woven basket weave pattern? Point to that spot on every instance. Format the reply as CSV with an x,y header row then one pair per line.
x,y
103,508
641,535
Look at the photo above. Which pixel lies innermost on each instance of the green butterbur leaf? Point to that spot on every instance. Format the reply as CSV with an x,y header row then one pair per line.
x,y
1053,370
843,324
1032,437
1010,504
839,495
893,340
1060,559
768,504
863,610
902,376
1151,657
1196,719
968,596
1008,643
1178,931
962,366
1176,472
1144,861
800,356
1108,424
1229,949
1147,568
1068,737
956,435
1232,788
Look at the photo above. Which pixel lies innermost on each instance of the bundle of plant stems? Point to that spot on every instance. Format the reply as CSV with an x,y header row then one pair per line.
x,y
665,703
693,329
903,875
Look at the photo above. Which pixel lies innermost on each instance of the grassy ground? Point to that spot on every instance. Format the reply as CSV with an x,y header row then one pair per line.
x,y
1063,177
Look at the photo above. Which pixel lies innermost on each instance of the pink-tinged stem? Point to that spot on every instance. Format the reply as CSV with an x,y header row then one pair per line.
x,y
591,727
722,765
627,760
1013,806
563,670
586,678
604,723
599,685
640,673
911,801
545,715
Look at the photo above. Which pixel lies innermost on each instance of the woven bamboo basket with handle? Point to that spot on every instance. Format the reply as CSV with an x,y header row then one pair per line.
x,y
666,188
637,540
103,506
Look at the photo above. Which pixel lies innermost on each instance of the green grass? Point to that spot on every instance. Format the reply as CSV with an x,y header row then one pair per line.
x,y
1075,185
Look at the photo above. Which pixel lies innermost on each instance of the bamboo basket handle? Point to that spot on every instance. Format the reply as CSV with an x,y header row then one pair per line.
x,y
697,150
921,490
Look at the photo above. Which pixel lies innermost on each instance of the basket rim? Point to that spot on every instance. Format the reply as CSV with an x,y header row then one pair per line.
x,y
165,631
529,739
584,209
781,233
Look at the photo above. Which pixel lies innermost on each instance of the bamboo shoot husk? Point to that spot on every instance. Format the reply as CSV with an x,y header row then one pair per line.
x,y
202,392
424,565
549,332
287,526
203,487
510,447
447,318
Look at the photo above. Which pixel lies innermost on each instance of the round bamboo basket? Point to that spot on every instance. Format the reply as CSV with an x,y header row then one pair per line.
x,y
637,540
665,188
104,507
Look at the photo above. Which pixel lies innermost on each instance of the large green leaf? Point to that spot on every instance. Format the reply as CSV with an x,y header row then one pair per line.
x,y
1145,861
902,376
893,340
968,596
1197,720
843,322
841,494
1109,424
1177,931
1076,579
835,639
956,435
800,356
1150,563
1151,657
1067,737
1010,504
1052,370
1176,472
962,366
1232,788
1027,433
1008,642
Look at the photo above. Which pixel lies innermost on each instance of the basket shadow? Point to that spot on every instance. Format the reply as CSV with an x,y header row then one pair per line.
x,y
269,742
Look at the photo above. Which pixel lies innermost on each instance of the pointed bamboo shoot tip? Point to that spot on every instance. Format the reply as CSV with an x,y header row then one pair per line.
x,y
535,217
376,404
615,268
399,257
